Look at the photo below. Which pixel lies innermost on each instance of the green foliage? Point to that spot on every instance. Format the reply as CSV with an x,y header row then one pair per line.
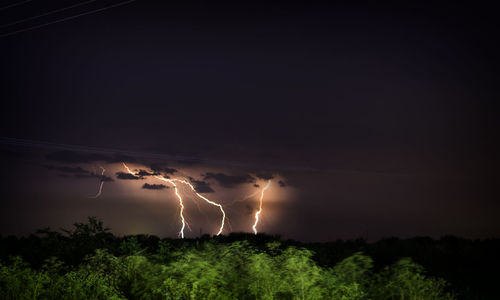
x,y
213,272
84,283
18,281
94,227
265,278
355,268
301,275
216,271
130,246
208,269
405,280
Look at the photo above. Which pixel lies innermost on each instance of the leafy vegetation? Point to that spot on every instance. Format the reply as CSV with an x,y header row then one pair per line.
x,y
88,262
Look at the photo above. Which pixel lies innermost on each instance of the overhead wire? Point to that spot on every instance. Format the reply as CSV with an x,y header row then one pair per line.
x,y
14,5
183,158
47,13
66,19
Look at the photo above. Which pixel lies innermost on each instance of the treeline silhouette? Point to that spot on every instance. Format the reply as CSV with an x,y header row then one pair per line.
x,y
89,262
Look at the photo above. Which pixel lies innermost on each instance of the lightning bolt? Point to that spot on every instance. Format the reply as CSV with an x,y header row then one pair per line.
x,y
100,184
208,201
181,203
128,169
257,214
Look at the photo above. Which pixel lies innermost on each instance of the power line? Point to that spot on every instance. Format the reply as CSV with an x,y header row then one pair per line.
x,y
66,19
167,157
47,13
14,5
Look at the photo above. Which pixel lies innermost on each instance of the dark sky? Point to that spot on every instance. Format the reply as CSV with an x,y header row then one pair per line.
x,y
378,119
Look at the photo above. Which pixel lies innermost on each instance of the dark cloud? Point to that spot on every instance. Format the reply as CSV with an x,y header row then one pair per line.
x,y
169,170
162,168
229,181
66,169
264,175
201,186
156,167
256,185
154,186
118,157
78,172
103,177
282,183
127,176
66,156
146,173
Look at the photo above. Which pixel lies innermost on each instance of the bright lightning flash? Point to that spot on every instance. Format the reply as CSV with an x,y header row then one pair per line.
x,y
100,184
257,214
181,204
208,201
128,169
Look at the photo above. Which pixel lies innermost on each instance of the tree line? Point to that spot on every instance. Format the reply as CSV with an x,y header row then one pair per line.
x,y
89,262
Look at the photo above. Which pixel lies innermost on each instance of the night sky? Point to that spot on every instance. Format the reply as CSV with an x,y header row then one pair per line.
x,y
371,120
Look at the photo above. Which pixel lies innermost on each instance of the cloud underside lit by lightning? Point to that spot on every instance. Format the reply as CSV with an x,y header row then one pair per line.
x,y
173,181
257,214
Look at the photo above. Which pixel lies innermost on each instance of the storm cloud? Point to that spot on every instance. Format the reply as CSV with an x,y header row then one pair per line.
x,y
201,186
154,186
77,172
265,175
162,168
127,176
146,173
229,181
